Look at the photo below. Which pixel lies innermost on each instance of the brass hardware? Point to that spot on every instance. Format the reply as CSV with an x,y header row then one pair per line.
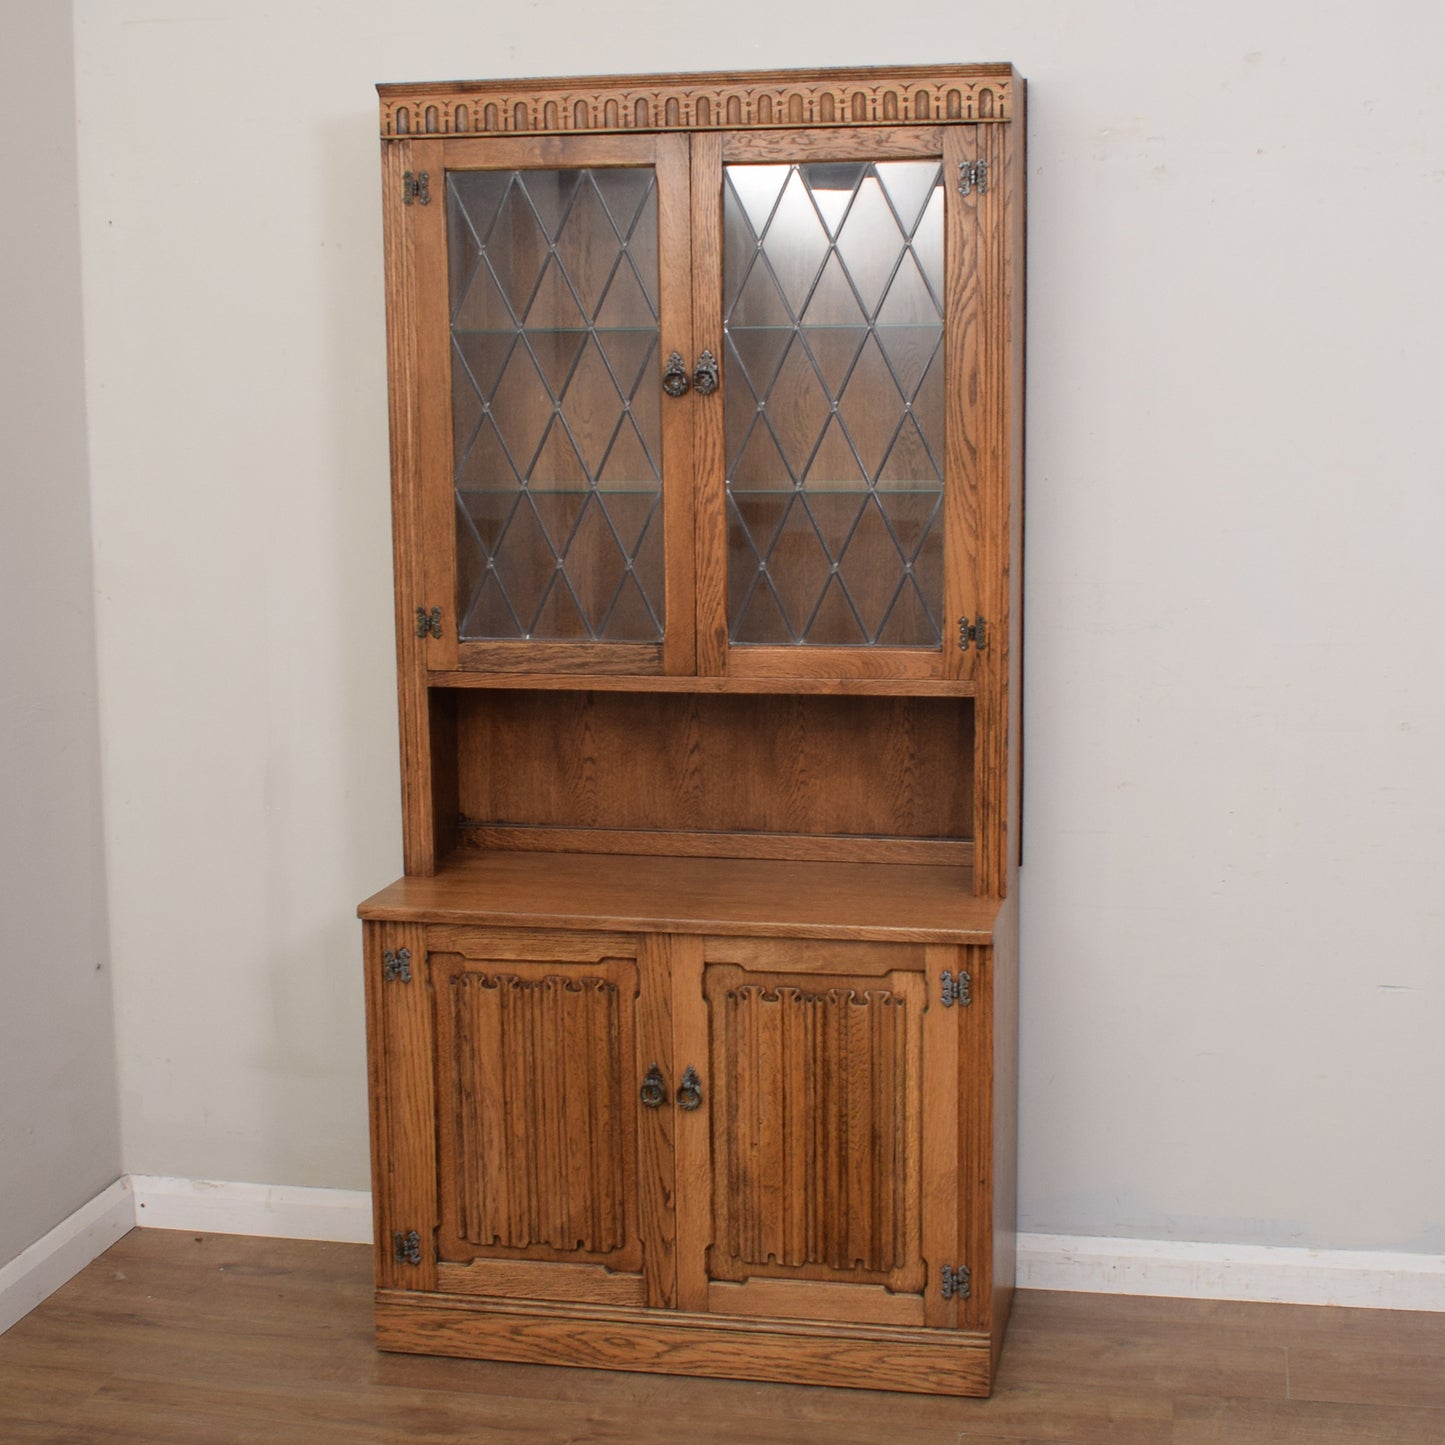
x,y
975,632
407,1247
705,378
654,1090
957,990
396,967
674,376
689,1092
957,1282
428,623
416,188
972,175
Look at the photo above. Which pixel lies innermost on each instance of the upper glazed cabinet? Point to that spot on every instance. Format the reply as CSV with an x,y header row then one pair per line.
x,y
703,381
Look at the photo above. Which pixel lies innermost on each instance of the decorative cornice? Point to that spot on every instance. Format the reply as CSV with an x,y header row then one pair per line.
x,y
602,104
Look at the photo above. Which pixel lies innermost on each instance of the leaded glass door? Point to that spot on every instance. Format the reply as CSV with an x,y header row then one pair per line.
x,y
840,511
557,512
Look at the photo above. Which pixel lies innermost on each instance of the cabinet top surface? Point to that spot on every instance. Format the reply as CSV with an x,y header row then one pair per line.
x,y
897,903
706,100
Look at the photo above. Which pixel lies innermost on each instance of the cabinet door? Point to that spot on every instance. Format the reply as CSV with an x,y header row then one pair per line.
x,y
518,1150
842,530
817,1176
549,283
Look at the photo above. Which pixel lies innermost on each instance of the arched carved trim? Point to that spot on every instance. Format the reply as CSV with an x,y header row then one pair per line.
x,y
702,102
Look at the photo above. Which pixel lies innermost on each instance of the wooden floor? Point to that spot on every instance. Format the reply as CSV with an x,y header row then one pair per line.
x,y
178,1337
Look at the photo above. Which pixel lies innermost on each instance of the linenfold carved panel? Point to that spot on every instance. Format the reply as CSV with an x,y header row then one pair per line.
x,y
532,1065
816,1098
702,102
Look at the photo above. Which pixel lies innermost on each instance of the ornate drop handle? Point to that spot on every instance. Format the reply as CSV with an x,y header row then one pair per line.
x,y
674,376
689,1092
654,1091
705,378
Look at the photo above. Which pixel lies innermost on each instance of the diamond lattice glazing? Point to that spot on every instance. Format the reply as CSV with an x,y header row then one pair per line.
x,y
833,286
556,432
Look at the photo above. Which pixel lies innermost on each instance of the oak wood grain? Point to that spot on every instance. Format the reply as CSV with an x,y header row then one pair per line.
x,y
537,1279
697,101
806,847
710,543
692,1131
790,684
827,1353
687,762
816,1083
694,895
763,1298
400,1048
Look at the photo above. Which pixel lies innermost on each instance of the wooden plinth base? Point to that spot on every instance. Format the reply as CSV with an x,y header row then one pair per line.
x,y
932,1362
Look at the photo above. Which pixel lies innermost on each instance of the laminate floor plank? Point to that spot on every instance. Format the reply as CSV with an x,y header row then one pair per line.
x,y
697,1399
1293,1422
1243,1320
37,1399
162,1411
1197,1362
1368,1376
217,1340
1021,1409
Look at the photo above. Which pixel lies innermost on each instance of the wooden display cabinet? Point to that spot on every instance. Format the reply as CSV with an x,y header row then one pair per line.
x,y
691,1024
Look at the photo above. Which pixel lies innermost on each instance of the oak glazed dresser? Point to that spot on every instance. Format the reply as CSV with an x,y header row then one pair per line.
x,y
692,1021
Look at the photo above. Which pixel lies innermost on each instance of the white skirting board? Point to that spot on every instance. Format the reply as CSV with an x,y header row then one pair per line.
x,y
1364,1279
276,1210
37,1272
198,1205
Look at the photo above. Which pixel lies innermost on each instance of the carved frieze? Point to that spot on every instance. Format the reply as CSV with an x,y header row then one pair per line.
x,y
700,102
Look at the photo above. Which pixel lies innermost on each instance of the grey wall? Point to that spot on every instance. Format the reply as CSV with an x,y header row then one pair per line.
x,y
59,1134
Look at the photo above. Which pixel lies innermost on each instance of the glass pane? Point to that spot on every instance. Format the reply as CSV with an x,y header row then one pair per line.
x,y
556,432
833,317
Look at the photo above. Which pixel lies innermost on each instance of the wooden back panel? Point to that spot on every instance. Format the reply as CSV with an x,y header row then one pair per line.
x,y
824,767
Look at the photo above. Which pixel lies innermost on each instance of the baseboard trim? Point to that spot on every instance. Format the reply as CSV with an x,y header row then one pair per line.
x,y
37,1272
281,1211
1364,1279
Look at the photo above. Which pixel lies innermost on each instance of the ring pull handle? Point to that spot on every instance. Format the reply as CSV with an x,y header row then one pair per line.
x,y
674,376
705,378
654,1091
689,1092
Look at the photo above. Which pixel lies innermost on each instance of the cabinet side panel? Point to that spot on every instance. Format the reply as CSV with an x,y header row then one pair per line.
x,y
986,427
976,1138
943,1192
1003,1177
404,392
1015,273
399,1052
965,379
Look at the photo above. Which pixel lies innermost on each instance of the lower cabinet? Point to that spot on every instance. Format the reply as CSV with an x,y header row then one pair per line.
x,y
750,1156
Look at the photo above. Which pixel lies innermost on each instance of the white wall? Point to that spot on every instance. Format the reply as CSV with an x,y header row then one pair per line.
x,y
1236,796
59,1134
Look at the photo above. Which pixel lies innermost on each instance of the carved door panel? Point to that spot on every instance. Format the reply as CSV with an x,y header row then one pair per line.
x,y
813,1181
542,1045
